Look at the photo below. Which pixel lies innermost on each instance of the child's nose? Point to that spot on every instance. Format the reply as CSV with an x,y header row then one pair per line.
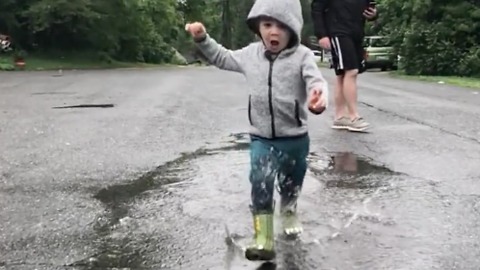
x,y
275,30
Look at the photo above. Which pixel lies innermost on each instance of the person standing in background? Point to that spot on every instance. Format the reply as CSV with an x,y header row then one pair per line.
x,y
339,27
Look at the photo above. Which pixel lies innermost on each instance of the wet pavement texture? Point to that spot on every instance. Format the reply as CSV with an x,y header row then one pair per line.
x,y
144,169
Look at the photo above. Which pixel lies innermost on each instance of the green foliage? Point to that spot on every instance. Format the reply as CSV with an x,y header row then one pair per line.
x,y
434,37
6,63
470,63
130,30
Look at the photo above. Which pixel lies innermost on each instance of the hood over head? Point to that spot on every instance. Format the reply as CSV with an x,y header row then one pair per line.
x,y
288,12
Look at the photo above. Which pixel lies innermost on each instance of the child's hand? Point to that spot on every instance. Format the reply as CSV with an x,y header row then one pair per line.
x,y
196,29
316,102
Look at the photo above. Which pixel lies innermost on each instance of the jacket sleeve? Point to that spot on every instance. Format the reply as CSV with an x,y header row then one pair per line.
x,y
319,8
221,57
313,77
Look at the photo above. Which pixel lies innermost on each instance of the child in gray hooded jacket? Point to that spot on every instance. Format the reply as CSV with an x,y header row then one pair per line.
x,y
281,75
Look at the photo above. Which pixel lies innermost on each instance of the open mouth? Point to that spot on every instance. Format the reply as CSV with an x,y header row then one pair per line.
x,y
274,43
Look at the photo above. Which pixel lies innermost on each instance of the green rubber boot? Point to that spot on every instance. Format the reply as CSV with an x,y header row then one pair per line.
x,y
263,247
290,223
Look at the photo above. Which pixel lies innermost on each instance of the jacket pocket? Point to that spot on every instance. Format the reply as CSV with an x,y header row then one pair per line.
x,y
250,109
297,113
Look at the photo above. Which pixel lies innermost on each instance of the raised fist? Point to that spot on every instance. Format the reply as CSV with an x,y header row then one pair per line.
x,y
196,29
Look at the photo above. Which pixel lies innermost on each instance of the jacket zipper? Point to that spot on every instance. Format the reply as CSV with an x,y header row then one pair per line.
x,y
270,103
250,109
297,113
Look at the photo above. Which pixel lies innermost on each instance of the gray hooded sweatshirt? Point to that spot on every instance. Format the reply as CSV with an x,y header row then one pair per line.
x,y
278,86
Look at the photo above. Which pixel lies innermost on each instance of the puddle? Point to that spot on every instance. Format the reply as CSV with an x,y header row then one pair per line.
x,y
115,256
357,214
117,197
291,254
124,243
114,253
168,173
346,163
85,106
348,170
350,163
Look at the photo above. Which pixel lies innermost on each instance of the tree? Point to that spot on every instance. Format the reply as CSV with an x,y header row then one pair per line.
x,y
438,37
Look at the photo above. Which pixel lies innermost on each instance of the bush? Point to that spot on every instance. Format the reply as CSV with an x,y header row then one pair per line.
x,y
6,64
470,64
433,37
156,50
427,51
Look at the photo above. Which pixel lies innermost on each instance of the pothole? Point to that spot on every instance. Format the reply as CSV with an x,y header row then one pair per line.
x,y
85,106
52,93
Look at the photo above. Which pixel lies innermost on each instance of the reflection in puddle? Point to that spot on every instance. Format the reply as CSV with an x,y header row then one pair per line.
x,y
348,170
351,163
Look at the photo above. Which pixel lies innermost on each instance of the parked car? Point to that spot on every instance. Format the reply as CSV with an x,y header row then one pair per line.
x,y
379,53
317,55
323,56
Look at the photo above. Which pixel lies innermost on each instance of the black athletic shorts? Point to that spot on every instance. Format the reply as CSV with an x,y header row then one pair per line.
x,y
347,54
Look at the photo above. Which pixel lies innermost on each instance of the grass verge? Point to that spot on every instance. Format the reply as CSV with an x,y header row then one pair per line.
x,y
451,80
66,62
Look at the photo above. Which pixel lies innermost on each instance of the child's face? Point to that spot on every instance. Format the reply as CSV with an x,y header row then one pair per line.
x,y
274,34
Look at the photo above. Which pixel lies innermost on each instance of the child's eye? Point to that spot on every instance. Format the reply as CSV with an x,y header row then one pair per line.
x,y
282,26
267,24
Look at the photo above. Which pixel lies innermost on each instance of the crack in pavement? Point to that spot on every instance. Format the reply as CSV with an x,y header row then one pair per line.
x,y
109,105
420,122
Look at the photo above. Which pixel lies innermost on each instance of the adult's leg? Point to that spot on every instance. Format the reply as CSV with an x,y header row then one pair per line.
x,y
348,50
341,109
341,113
358,123
350,92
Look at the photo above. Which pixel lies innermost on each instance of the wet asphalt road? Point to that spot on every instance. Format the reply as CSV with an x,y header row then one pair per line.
x,y
151,182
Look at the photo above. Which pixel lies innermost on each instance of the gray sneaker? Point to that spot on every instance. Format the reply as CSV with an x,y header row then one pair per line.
x,y
358,125
341,123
